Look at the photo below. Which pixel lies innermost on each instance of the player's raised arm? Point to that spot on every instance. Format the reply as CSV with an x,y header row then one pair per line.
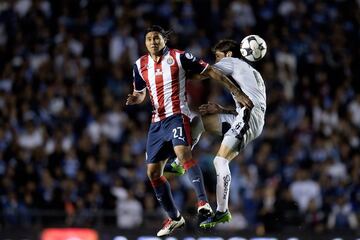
x,y
192,63
239,95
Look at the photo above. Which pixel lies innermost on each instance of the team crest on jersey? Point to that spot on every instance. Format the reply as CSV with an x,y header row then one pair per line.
x,y
170,61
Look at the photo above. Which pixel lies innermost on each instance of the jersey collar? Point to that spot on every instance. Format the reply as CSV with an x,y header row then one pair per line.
x,y
164,51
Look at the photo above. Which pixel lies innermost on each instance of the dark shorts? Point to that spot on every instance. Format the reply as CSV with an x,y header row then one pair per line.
x,y
164,135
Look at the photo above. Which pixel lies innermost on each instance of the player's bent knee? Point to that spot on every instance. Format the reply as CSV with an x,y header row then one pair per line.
x,y
229,148
212,124
224,151
153,173
183,153
227,152
184,158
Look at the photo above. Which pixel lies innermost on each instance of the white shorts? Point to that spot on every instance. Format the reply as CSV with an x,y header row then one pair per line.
x,y
244,127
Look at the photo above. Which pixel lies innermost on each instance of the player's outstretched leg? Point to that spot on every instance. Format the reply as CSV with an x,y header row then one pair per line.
x,y
223,174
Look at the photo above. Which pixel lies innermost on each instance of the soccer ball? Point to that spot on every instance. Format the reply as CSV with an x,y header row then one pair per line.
x,y
253,48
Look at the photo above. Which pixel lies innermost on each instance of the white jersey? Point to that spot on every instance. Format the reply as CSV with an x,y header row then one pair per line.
x,y
248,78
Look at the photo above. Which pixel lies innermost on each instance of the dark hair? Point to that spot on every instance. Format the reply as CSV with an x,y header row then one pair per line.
x,y
227,45
159,29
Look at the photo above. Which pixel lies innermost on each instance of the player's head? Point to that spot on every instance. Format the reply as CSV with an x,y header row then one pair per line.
x,y
155,39
226,48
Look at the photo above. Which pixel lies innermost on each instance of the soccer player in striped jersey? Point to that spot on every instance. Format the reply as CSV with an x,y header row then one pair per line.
x,y
163,73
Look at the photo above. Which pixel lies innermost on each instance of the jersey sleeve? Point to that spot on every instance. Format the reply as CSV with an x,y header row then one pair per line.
x,y
139,83
191,63
225,65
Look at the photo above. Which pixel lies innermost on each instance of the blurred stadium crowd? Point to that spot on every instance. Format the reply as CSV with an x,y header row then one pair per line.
x,y
68,143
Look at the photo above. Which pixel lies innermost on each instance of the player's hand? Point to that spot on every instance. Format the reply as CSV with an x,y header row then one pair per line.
x,y
132,99
244,100
136,98
210,108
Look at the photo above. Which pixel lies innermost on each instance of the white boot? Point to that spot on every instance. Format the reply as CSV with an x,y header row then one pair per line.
x,y
169,226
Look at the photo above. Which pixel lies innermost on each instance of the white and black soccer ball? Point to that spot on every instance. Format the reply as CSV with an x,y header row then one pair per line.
x,y
253,48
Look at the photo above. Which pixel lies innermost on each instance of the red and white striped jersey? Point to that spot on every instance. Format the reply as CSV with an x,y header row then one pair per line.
x,y
165,81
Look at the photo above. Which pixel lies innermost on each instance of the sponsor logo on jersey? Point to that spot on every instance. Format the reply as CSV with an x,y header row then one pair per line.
x,y
158,72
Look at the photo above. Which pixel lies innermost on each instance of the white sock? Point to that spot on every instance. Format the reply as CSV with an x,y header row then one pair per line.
x,y
177,161
223,180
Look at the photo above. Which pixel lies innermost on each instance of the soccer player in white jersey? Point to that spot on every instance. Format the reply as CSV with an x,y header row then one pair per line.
x,y
163,73
245,126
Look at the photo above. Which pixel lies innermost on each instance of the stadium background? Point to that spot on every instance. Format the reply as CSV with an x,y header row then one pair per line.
x,y
72,155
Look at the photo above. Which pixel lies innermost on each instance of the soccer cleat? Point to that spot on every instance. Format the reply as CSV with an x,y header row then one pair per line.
x,y
219,217
177,169
169,226
204,209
